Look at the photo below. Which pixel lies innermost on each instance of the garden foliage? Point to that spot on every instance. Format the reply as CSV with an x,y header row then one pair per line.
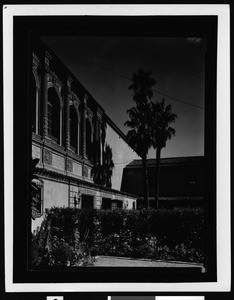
x,y
72,237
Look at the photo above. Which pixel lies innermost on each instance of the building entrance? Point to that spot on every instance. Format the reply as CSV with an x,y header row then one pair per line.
x,y
87,202
106,203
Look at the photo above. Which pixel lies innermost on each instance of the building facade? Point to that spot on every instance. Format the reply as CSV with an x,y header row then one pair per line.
x,y
181,181
70,135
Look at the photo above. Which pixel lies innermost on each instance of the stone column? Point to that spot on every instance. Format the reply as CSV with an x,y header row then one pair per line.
x,y
98,134
97,200
44,91
96,139
84,126
61,126
36,72
67,113
37,110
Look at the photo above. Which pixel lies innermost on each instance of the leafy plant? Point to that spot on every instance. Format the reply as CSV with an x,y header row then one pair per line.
x,y
73,237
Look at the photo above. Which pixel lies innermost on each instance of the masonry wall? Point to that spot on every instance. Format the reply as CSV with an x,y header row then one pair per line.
x,y
122,155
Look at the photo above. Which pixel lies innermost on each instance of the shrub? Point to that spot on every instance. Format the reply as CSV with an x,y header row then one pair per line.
x,y
71,237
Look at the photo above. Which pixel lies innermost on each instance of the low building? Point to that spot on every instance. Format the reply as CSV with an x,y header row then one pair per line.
x,y
70,134
181,181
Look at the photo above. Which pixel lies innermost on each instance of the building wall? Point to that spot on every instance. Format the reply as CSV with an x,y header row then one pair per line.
x,y
185,180
67,129
54,194
122,155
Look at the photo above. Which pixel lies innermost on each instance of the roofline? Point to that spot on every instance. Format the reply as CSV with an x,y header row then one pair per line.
x,y
68,71
130,165
119,131
109,121
56,175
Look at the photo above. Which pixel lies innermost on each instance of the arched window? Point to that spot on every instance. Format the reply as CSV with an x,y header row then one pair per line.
x,y
33,99
53,114
74,123
88,139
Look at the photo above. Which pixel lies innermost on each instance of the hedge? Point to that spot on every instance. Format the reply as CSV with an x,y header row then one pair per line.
x,y
74,237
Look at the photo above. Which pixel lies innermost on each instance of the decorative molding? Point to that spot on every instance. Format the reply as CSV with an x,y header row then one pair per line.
x,y
48,58
36,138
86,97
50,143
36,70
82,183
69,81
56,81
36,214
69,165
35,61
99,118
88,191
85,171
75,99
89,114
75,156
52,82
47,157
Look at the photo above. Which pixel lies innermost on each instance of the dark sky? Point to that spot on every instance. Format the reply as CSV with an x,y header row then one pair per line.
x,y
105,64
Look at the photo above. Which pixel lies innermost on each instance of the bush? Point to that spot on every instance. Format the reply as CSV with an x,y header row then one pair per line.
x,y
70,237
64,239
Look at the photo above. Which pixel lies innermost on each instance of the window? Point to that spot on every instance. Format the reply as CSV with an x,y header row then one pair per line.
x,y
87,202
106,203
88,139
53,115
74,129
75,197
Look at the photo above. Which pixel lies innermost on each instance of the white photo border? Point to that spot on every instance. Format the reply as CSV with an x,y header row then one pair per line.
x,y
223,142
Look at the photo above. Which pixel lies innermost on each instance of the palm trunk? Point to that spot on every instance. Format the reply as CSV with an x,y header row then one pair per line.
x,y
158,155
145,182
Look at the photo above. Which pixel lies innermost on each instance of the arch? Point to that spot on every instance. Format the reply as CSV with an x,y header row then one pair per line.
x,y
53,114
33,99
74,128
88,139
52,84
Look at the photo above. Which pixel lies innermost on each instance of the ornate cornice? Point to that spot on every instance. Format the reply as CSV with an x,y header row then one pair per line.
x,y
80,182
49,143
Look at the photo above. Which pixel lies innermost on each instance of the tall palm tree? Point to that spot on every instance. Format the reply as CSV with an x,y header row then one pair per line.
x,y
161,118
108,166
139,135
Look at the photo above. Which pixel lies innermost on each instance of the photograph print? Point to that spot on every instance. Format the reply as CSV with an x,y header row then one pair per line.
x,y
117,149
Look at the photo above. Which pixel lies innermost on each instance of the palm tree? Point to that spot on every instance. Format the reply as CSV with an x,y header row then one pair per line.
x,y
161,118
108,166
102,172
97,173
139,135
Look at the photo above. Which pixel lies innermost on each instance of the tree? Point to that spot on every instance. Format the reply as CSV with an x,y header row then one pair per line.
x,y
102,172
97,173
108,166
161,118
139,135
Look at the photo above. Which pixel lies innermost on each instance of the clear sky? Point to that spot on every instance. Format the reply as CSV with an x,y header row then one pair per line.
x,y
104,66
